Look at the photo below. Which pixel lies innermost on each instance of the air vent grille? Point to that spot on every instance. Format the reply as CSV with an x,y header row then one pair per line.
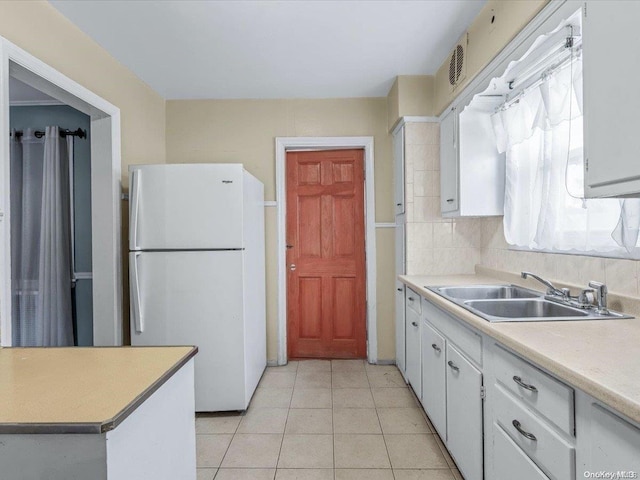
x,y
457,66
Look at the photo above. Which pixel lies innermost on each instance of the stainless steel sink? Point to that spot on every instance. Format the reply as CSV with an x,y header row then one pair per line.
x,y
483,292
511,303
525,309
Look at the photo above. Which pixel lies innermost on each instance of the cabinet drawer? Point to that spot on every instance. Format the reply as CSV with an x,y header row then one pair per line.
x,y
550,397
469,342
413,301
510,461
547,449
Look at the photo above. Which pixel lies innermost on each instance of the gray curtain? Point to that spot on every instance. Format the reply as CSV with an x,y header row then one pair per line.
x,y
41,240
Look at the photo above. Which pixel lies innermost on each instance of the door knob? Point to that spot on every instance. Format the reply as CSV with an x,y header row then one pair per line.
x,y
292,267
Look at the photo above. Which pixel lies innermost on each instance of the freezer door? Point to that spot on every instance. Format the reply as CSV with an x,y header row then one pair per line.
x,y
194,298
182,207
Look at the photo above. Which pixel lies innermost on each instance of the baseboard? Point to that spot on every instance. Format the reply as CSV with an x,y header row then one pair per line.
x,y
385,362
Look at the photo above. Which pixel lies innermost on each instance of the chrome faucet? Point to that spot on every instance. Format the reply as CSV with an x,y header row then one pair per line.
x,y
601,296
551,289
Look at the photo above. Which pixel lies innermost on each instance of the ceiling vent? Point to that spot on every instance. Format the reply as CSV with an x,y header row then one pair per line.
x,y
458,63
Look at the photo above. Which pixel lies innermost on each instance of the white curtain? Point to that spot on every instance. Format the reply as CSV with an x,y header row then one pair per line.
x,y
41,240
544,209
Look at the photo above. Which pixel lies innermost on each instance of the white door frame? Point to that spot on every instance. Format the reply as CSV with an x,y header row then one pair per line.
x,y
285,144
105,189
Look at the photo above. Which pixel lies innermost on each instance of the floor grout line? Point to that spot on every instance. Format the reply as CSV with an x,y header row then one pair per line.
x,y
332,406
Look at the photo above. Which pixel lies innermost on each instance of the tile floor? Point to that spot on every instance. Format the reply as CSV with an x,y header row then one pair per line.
x,y
324,420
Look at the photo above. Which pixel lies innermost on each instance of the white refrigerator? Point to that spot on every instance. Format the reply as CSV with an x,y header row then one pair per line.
x,y
197,273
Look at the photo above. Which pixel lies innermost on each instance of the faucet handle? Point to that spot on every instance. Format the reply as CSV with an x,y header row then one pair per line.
x,y
601,296
587,297
598,286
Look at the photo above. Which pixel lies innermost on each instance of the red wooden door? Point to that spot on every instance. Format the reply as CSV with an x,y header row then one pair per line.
x,y
326,296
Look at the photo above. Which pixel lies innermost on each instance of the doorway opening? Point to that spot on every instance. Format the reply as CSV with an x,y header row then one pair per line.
x,y
284,146
50,189
60,177
326,279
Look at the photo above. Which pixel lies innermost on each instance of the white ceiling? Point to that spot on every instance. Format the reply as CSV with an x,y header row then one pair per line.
x,y
273,48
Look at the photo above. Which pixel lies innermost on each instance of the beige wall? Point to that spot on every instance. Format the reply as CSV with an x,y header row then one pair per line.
x,y
245,130
393,105
410,95
41,30
486,40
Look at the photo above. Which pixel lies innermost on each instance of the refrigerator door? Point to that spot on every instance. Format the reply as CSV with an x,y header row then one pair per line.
x,y
185,207
194,298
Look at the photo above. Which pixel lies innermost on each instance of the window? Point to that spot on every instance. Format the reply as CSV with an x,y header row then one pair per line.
x,y
540,129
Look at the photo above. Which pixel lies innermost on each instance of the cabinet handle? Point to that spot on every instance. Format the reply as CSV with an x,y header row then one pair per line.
x,y
398,204
449,200
526,386
399,289
411,299
453,366
436,347
522,432
414,324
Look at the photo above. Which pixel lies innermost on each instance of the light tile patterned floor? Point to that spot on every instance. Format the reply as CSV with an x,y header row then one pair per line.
x,y
324,420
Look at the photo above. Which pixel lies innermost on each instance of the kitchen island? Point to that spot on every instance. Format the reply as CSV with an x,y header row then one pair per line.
x,y
97,413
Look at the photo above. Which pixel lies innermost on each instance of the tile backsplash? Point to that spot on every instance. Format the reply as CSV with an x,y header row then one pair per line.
x,y
435,245
442,246
621,276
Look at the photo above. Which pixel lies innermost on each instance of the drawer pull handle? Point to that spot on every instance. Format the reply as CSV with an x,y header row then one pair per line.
x,y
414,324
453,366
436,347
526,386
522,432
411,299
399,289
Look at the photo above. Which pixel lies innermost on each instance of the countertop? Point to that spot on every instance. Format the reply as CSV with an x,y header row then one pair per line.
x,y
80,390
600,357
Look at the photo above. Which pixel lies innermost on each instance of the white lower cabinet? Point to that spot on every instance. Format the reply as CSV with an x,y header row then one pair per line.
x,y
452,387
413,367
400,328
530,426
535,412
434,387
464,414
606,441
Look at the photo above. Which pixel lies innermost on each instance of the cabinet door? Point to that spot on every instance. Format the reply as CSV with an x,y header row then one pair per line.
x,y
464,414
400,328
412,366
434,378
449,162
609,443
398,170
611,102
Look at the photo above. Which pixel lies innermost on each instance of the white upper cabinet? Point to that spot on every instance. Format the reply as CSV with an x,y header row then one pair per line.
x,y
471,168
398,170
449,162
611,67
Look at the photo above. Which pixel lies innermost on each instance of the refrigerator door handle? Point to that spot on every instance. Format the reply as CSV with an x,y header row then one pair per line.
x,y
134,195
138,320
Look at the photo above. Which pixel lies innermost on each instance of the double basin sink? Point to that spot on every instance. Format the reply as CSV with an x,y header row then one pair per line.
x,y
511,303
